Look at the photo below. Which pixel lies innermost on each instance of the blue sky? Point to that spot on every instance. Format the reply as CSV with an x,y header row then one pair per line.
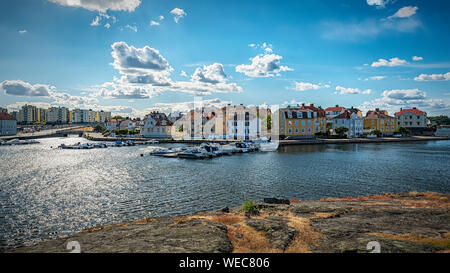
x,y
108,55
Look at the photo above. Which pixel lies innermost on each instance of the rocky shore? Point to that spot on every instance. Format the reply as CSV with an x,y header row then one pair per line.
x,y
410,222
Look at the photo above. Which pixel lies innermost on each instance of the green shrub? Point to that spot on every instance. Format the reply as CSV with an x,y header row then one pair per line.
x,y
249,207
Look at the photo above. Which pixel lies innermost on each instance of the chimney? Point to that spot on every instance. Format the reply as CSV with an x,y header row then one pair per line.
x,y
311,105
303,105
414,108
337,105
377,109
401,109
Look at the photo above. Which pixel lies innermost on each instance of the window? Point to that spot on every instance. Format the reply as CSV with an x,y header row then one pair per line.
x,y
296,122
303,130
309,122
303,123
289,123
290,130
296,130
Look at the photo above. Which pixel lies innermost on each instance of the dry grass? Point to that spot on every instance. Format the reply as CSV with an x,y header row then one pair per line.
x,y
443,241
228,219
245,239
305,238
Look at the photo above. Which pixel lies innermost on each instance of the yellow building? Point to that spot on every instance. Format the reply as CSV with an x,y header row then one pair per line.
x,y
380,120
297,122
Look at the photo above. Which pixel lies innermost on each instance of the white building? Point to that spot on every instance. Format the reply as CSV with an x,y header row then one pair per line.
x,y
411,118
351,121
8,125
243,123
156,125
113,124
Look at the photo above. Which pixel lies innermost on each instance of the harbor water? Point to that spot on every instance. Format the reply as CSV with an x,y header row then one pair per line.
x,y
47,192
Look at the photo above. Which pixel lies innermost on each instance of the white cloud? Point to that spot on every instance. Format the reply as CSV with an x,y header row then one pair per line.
x,y
304,86
267,65
346,91
405,12
210,74
417,58
154,23
161,18
178,14
96,21
133,28
375,78
146,73
100,5
183,74
252,45
107,25
21,88
433,77
378,3
392,62
188,105
22,31
393,100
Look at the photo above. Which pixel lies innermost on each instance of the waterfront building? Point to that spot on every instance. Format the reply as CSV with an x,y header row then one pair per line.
x,y
295,122
242,123
331,112
28,114
351,121
8,124
411,118
380,120
156,125
58,115
127,124
320,120
102,116
356,111
113,124
3,110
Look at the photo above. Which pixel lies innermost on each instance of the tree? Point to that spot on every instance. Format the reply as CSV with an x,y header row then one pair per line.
x,y
378,133
118,117
403,130
99,129
440,120
341,131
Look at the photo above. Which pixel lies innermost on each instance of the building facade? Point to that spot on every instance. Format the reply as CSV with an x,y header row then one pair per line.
x,y
8,125
411,118
58,115
331,112
295,122
380,120
351,121
156,125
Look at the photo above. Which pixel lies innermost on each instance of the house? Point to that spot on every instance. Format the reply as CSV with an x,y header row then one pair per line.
x,y
380,120
296,123
411,118
243,123
355,111
351,121
156,125
331,112
113,124
8,125
320,120
127,124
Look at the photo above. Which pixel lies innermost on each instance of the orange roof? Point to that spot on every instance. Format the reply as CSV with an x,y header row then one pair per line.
x,y
5,116
414,111
336,108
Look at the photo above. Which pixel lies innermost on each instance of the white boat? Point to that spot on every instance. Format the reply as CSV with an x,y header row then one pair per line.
x,y
194,153
151,142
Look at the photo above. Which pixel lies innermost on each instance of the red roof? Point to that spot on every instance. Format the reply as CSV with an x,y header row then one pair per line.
x,y
5,116
336,108
115,120
344,115
414,111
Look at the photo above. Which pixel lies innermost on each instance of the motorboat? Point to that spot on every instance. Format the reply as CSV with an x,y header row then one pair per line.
x,y
194,153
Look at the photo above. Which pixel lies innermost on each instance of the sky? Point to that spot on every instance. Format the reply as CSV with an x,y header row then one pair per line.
x,y
134,56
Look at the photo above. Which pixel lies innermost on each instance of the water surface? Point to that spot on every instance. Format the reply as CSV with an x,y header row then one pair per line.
x,y
47,192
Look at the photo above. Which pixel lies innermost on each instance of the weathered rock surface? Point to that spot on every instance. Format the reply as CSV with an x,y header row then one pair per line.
x,y
275,229
161,235
410,222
